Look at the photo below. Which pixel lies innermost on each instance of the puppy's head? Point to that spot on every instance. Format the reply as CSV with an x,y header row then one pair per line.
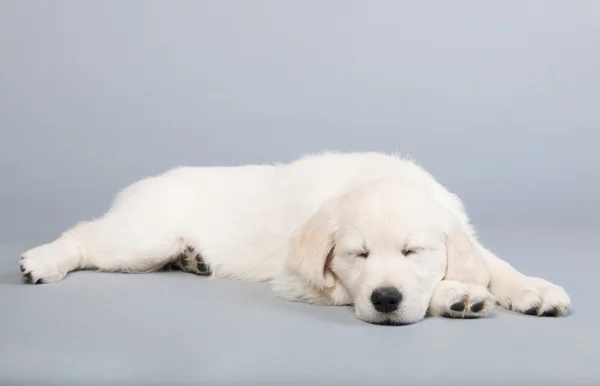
x,y
383,247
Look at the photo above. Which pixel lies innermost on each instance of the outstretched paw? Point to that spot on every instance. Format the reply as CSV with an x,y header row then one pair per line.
x,y
43,264
533,296
453,299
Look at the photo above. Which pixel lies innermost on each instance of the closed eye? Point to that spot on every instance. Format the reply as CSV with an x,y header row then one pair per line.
x,y
410,251
364,254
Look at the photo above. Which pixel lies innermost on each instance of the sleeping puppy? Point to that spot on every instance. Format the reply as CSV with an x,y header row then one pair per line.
x,y
365,229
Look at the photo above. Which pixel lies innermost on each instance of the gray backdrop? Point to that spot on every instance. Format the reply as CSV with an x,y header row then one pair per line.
x,y
499,100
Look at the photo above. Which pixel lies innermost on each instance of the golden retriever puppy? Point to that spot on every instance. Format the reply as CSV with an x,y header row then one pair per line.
x,y
365,229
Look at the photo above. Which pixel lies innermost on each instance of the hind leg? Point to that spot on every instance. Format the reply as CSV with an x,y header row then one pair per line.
x,y
112,243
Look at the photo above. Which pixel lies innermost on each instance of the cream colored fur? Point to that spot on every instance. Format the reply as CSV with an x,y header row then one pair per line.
x,y
305,227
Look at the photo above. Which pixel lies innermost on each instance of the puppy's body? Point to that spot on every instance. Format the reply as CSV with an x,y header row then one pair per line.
x,y
240,219
247,223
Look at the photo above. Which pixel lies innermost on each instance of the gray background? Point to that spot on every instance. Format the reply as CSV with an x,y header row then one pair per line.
x,y
499,100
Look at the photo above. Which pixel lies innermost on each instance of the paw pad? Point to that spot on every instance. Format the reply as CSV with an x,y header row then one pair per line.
x,y
535,311
477,307
191,261
458,306
532,311
551,312
28,278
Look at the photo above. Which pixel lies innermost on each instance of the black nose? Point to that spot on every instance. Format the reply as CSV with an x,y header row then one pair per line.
x,y
386,299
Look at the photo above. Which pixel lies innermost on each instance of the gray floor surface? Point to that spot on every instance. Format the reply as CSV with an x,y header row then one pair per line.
x,y
173,328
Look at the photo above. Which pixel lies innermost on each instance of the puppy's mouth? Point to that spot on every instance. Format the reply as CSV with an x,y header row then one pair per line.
x,y
389,322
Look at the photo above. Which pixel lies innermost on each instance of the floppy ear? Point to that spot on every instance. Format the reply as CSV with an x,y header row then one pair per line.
x,y
311,249
465,260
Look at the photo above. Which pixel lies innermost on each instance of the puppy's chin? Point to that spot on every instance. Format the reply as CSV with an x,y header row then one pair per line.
x,y
391,319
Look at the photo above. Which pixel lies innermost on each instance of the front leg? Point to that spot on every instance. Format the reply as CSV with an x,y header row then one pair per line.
x,y
525,294
454,299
